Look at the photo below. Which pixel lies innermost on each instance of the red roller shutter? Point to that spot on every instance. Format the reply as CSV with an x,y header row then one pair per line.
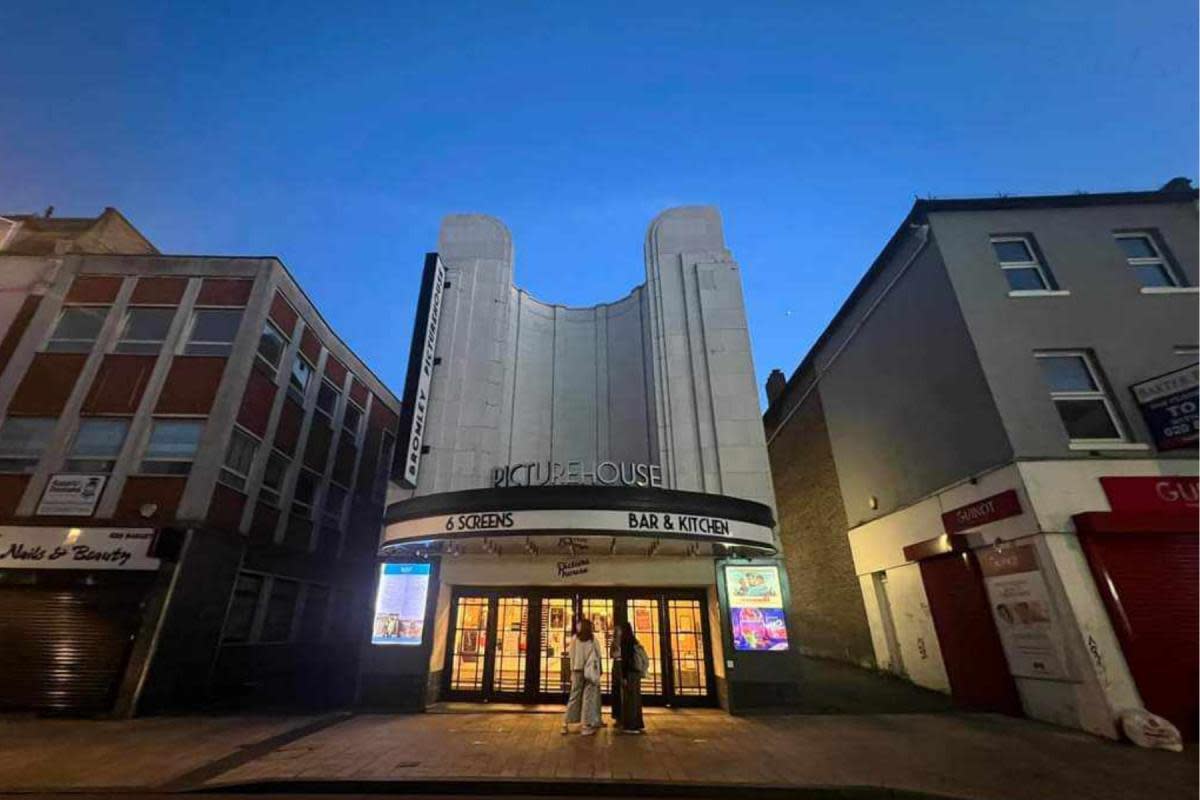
x,y
1149,582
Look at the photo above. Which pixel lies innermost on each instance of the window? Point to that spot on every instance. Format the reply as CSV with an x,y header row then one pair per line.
x,y
272,482
305,492
312,617
144,330
172,446
240,622
213,331
387,451
281,608
335,504
1146,259
77,329
301,374
238,459
352,419
1076,389
1020,265
271,345
327,398
97,445
22,442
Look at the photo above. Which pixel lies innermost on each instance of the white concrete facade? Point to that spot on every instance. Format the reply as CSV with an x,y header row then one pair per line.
x,y
663,375
1051,491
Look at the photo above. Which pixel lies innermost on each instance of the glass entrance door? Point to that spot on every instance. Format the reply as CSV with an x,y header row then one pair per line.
x,y
512,644
554,666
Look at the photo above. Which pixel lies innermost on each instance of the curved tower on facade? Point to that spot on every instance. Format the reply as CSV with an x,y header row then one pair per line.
x,y
605,461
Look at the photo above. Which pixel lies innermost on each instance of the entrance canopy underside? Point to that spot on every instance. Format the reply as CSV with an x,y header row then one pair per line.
x,y
634,521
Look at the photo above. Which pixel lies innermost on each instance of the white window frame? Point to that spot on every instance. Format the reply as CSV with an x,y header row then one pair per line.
x,y
337,521
186,341
303,509
157,344
274,368
83,463
1098,393
337,398
270,495
1048,285
144,457
257,612
239,480
266,607
1157,260
362,413
50,338
293,391
33,461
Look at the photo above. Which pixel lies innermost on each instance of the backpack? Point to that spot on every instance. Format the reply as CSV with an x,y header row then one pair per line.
x,y
640,662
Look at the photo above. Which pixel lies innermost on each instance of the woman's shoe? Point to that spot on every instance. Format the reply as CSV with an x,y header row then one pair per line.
x,y
566,729
587,732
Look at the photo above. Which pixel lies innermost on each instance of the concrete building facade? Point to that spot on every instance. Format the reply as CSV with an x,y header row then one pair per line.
x,y
1008,401
193,467
605,462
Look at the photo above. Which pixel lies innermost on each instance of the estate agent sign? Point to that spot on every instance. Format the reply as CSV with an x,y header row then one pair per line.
x,y
71,495
1169,406
76,548
1025,618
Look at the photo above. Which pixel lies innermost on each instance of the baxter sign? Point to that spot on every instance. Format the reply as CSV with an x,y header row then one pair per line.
x,y
415,406
1169,406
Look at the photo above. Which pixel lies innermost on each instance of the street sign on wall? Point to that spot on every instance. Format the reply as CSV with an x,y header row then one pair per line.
x,y
1169,406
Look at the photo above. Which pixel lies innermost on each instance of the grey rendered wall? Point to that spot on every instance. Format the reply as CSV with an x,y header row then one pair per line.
x,y
905,400
1132,335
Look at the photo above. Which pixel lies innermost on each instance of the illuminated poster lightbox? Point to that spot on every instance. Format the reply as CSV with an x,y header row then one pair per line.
x,y
756,607
400,604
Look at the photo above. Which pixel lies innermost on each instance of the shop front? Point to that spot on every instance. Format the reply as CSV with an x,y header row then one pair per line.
x,y
73,602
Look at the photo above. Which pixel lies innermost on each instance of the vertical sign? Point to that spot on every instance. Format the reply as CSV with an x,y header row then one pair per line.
x,y
1024,614
400,604
756,607
1169,406
420,369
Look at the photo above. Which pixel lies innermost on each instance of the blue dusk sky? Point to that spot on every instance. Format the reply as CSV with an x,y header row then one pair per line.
x,y
336,136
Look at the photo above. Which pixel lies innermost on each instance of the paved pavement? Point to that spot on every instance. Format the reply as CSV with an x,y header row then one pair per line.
x,y
949,754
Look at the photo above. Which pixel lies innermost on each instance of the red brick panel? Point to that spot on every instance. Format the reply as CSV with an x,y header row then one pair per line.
x,y
47,384
256,403
94,289
283,314
383,417
191,385
359,393
224,292
336,371
310,345
119,384
11,489
225,509
165,291
287,433
316,451
12,337
343,467
141,490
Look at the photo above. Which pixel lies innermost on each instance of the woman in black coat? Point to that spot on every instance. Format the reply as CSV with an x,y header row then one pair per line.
x,y
632,656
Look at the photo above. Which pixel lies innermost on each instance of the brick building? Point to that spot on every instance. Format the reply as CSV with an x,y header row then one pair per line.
x,y
193,468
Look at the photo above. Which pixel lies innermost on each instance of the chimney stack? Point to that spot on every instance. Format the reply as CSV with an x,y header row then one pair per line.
x,y
776,383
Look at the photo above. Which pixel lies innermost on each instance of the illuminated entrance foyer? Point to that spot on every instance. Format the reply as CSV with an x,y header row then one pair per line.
x,y
604,462
507,646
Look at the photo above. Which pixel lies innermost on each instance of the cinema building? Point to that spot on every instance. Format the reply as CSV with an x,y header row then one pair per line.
x,y
986,466
605,462
193,467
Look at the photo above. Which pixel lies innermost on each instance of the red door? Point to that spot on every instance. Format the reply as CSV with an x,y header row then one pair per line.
x,y
971,649
1149,584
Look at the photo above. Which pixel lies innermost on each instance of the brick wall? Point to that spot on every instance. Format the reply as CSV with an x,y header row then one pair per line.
x,y
827,614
